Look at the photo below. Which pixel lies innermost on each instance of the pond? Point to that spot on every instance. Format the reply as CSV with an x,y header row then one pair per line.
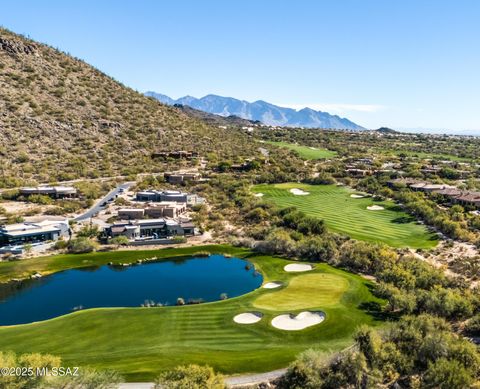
x,y
193,279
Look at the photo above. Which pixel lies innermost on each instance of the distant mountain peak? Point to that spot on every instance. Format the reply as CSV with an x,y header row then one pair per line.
x,y
262,111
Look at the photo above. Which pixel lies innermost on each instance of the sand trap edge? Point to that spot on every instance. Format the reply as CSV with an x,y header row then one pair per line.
x,y
297,267
248,317
272,285
298,322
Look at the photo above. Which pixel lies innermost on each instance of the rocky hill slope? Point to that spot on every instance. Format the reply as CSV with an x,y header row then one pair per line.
x,y
62,119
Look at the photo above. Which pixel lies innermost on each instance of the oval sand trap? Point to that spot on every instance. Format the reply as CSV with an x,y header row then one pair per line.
x,y
298,192
297,267
258,194
248,318
375,208
357,196
272,285
290,322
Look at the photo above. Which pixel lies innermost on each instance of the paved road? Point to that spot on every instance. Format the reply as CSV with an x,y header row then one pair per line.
x,y
232,382
253,379
97,207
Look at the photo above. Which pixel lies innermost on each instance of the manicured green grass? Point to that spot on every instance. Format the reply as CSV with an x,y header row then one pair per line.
x,y
306,152
140,342
306,291
350,216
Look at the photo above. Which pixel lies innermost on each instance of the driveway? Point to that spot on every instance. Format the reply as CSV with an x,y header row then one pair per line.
x,y
98,206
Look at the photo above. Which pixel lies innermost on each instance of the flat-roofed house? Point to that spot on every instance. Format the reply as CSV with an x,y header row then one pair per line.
x,y
33,232
177,178
150,229
166,209
56,192
426,187
188,228
165,195
470,198
131,213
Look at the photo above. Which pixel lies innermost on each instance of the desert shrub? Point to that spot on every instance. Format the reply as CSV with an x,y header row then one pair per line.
x,y
81,245
190,377
120,240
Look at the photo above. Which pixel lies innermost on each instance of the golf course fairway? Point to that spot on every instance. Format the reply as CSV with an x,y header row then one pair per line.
x,y
305,152
141,342
386,223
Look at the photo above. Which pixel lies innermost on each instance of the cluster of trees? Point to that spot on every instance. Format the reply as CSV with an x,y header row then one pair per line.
x,y
415,352
453,222
450,222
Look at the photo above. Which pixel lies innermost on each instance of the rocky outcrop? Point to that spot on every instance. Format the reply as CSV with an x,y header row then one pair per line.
x,y
17,47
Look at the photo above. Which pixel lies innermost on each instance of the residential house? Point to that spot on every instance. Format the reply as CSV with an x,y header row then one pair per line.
x,y
33,232
178,178
150,229
56,192
168,196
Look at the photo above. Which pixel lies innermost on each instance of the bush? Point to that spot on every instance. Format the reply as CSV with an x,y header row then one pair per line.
x,y
179,239
81,245
473,326
190,377
60,245
120,240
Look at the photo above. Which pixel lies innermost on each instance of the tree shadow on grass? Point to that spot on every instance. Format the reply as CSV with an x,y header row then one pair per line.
x,y
376,310
403,220
395,208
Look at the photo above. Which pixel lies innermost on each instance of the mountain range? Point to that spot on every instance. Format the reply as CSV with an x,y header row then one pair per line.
x,y
262,111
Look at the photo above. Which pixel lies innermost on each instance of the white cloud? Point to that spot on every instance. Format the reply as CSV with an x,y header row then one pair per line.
x,y
338,108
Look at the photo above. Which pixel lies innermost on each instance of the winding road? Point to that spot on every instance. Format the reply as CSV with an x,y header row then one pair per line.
x,y
232,382
98,206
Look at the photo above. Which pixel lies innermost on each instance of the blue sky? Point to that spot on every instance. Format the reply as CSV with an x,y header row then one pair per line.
x,y
404,64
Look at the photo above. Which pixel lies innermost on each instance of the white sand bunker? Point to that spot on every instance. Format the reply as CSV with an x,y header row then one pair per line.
x,y
299,192
297,267
312,148
290,322
248,318
375,208
272,285
258,194
357,196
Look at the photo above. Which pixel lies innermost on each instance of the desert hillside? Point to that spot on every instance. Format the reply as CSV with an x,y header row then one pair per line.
x,y
62,119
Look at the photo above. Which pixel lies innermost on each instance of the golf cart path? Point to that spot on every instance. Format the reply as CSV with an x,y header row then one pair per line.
x,y
232,382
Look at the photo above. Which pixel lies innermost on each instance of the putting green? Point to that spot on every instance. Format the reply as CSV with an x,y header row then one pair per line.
x,y
305,152
141,342
305,291
350,216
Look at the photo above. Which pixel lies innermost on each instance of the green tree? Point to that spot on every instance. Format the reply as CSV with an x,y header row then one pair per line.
x,y
447,374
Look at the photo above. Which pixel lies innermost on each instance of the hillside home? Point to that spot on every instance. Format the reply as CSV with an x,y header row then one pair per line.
x,y
471,199
176,196
180,154
55,192
131,213
168,209
162,195
150,229
426,187
33,232
178,178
